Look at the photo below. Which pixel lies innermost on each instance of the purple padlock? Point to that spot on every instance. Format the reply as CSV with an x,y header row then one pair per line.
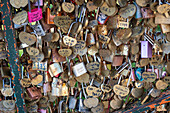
x,y
146,49
36,3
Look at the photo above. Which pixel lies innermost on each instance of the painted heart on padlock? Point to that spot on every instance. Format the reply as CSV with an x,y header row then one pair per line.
x,y
43,100
80,52
93,91
68,7
65,52
32,108
20,17
106,88
37,58
91,6
104,39
32,51
27,38
9,104
81,44
93,67
121,90
69,41
137,92
99,108
116,103
127,11
7,91
25,82
36,80
18,3
149,76
161,85
91,102
83,78
62,21
110,11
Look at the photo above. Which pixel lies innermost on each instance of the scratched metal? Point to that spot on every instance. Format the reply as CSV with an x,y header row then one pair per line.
x,y
13,55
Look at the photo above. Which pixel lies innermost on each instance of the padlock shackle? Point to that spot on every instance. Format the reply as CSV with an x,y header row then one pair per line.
x,y
70,28
29,5
83,91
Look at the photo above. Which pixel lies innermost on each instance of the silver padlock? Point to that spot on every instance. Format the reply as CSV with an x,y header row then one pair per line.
x,y
80,68
73,101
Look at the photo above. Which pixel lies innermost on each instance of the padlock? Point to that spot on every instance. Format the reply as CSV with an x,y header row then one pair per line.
x,y
38,29
55,69
146,49
25,82
59,88
34,93
7,90
81,107
34,14
117,60
80,68
5,70
62,106
73,101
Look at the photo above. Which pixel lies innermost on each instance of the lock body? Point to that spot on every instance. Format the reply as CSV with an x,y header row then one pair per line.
x,y
79,69
35,15
55,69
72,102
117,60
146,49
34,93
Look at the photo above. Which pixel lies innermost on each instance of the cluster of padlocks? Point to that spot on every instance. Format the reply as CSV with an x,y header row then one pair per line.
x,y
91,56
